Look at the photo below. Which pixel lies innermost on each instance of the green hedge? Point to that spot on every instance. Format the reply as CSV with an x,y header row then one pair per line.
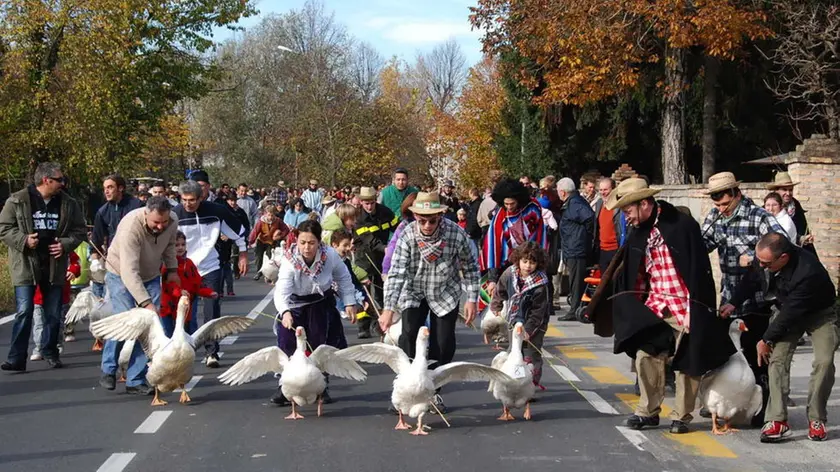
x,y
7,292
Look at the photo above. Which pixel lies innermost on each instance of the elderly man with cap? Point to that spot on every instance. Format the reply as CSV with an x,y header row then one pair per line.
x,y
783,185
393,195
733,227
449,199
432,262
663,303
374,224
204,223
313,196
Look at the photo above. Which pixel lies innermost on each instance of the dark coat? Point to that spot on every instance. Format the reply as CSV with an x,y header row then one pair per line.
x,y
707,345
576,225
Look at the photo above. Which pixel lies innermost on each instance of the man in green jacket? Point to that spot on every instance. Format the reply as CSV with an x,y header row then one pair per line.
x,y
41,225
393,195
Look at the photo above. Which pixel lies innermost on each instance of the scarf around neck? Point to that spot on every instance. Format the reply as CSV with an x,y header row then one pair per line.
x,y
294,256
431,246
522,285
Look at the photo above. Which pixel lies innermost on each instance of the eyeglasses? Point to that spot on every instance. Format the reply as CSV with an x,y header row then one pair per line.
x,y
428,221
61,180
766,265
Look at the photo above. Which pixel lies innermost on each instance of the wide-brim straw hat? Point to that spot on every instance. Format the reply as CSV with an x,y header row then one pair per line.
x,y
781,180
720,182
630,191
313,182
327,200
367,193
427,203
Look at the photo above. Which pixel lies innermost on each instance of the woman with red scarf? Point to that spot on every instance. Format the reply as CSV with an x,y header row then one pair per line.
x,y
517,221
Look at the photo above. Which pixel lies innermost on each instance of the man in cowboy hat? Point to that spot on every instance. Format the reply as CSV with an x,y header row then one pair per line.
x,y
734,226
450,200
373,229
313,196
783,185
432,261
664,303
328,205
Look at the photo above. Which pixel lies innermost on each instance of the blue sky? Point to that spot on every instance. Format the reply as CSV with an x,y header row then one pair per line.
x,y
393,27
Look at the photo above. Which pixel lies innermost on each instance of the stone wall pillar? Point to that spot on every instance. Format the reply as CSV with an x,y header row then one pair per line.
x,y
816,164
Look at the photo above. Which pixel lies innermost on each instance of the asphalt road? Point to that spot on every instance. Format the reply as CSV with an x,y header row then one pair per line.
x,y
61,420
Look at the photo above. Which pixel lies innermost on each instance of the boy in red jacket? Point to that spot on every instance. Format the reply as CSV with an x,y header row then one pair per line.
x,y
73,271
190,282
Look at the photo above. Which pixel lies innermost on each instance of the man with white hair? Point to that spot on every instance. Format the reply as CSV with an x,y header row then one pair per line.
x,y
576,226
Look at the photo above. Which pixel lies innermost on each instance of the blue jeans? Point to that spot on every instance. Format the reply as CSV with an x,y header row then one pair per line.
x,y
168,322
22,329
122,300
98,289
212,308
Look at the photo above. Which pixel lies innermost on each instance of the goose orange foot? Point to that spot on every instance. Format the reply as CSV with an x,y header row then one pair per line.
x,y
401,424
294,415
506,416
97,345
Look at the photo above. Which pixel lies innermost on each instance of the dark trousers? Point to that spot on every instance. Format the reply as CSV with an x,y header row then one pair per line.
x,y
212,308
577,272
757,324
22,328
441,333
227,277
604,259
259,252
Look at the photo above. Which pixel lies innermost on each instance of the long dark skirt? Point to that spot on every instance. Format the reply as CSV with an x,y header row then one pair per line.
x,y
319,319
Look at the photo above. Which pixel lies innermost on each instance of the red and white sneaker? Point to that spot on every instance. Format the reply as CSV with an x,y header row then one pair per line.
x,y
774,431
817,431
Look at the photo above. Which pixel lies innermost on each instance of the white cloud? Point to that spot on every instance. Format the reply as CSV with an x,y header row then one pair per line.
x,y
424,31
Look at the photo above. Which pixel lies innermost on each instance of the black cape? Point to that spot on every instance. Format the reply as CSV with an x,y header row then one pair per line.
x,y
636,327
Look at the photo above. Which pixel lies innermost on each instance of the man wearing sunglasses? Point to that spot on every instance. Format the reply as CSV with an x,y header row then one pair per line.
x,y
41,225
431,261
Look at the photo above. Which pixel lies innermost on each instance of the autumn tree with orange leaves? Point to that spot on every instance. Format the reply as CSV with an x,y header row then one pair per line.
x,y
586,51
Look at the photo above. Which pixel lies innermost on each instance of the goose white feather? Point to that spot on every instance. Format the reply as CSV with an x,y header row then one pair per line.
x,y
494,326
302,378
171,359
414,386
519,391
731,390
270,268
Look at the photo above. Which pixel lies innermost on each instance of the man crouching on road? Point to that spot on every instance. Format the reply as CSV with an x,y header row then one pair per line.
x,y
665,304
145,237
795,280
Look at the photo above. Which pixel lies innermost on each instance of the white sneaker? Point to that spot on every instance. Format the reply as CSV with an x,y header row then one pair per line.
x,y
36,356
61,348
211,361
69,338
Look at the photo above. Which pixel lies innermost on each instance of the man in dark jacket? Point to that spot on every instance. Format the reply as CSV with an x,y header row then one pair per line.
x,y
575,240
373,228
800,287
664,305
41,225
117,204
448,198
473,228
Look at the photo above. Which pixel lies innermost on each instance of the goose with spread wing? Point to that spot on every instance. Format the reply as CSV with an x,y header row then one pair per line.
x,y
415,385
519,391
87,305
171,359
302,377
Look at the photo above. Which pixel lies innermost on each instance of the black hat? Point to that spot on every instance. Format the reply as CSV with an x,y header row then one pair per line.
x,y
199,176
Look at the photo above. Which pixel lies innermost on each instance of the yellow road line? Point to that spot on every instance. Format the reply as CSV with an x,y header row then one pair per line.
x,y
576,352
698,443
554,332
607,375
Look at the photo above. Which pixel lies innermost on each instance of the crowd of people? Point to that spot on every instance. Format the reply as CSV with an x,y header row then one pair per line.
x,y
375,254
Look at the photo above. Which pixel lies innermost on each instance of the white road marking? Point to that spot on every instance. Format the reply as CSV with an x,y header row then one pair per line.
x,y
153,422
547,354
261,305
116,462
228,340
6,319
566,373
599,403
191,384
636,438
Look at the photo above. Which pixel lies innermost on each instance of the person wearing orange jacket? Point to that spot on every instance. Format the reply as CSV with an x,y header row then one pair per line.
x,y
190,282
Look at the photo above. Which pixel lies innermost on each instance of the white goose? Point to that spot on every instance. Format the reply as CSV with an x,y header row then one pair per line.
x,y
87,305
731,389
302,376
415,384
519,391
494,326
171,359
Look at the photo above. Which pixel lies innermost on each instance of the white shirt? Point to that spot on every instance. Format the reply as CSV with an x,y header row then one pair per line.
x,y
786,222
548,218
292,281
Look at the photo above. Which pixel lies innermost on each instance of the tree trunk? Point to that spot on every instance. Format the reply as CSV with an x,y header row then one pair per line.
x,y
673,120
710,99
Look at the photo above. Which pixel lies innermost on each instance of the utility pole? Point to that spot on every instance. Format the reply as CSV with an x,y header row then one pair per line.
x,y
522,146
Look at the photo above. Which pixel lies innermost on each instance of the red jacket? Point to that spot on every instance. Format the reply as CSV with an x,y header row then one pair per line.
x,y
73,267
190,282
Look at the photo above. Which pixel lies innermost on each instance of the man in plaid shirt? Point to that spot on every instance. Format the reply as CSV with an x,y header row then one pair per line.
x,y
424,281
734,226
279,196
666,304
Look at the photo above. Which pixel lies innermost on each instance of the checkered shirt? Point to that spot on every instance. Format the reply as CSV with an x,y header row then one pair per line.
x,y
412,279
661,282
279,197
733,237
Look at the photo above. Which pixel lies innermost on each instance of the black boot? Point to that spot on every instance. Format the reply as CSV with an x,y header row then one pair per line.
x,y
279,399
325,397
364,328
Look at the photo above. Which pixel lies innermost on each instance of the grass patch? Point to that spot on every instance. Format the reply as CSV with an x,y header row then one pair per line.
x,y
7,291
